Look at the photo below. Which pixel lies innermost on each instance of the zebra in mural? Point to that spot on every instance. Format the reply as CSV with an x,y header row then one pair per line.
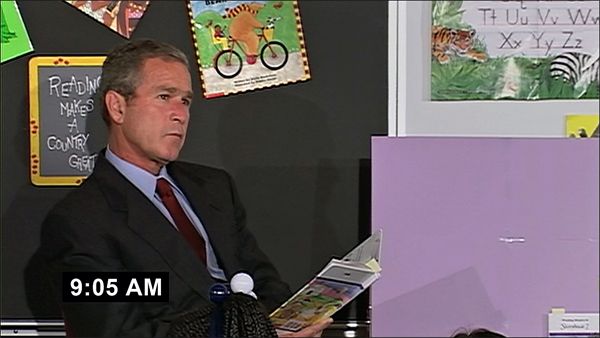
x,y
580,69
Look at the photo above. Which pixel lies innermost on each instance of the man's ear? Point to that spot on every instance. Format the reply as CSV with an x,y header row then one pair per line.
x,y
115,105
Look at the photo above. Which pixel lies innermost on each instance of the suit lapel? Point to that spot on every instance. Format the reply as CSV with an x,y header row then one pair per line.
x,y
151,225
204,201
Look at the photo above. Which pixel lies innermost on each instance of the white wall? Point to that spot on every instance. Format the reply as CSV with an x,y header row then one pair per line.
x,y
411,113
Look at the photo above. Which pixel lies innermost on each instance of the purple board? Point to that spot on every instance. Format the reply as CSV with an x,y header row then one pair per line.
x,y
483,232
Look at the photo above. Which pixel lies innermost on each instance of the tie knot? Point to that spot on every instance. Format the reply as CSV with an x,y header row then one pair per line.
x,y
163,188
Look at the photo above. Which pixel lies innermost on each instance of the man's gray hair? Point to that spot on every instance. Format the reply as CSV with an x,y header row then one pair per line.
x,y
121,69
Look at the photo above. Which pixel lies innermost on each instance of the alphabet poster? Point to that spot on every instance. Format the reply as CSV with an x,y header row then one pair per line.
x,y
519,50
247,45
15,41
120,16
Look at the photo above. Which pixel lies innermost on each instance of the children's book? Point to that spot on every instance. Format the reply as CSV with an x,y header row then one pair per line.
x,y
245,45
573,325
335,286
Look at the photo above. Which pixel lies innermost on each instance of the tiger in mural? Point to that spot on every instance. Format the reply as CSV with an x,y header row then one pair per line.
x,y
243,24
445,41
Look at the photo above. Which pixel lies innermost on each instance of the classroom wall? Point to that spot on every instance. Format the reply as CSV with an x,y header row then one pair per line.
x,y
299,153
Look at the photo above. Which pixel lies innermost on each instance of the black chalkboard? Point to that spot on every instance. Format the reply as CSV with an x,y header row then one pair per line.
x,y
61,94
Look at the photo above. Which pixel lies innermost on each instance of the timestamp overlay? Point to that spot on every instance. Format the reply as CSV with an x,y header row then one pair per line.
x,y
115,286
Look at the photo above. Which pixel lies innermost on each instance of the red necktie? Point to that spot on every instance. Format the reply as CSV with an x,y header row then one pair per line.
x,y
183,223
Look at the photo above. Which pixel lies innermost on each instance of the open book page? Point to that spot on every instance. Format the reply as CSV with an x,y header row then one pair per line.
x,y
316,301
335,286
367,250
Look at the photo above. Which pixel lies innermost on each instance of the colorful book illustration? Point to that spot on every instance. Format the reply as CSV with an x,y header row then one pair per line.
x,y
120,16
247,45
581,126
15,40
335,286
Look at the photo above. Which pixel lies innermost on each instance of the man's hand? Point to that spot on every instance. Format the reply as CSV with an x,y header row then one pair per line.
x,y
314,330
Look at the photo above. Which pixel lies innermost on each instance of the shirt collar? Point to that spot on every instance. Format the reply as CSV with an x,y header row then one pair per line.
x,y
140,178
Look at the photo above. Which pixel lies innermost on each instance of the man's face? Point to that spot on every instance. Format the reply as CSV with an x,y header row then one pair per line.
x,y
155,119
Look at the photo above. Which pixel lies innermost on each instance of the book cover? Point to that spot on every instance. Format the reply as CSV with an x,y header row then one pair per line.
x,y
335,286
119,15
247,45
563,324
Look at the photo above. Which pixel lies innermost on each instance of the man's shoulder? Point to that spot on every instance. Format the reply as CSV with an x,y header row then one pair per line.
x,y
199,171
102,189
85,196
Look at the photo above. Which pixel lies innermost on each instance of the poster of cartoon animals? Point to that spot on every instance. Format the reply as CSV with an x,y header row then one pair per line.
x,y
15,40
515,50
581,126
120,16
247,45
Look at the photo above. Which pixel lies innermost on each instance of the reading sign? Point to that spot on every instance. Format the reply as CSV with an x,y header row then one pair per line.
x,y
61,91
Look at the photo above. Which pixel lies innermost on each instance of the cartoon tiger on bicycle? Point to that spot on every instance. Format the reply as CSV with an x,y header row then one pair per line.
x,y
246,33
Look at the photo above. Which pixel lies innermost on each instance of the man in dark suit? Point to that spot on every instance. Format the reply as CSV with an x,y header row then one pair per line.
x,y
141,210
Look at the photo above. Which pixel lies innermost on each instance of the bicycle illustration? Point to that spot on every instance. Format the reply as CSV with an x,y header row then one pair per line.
x,y
228,61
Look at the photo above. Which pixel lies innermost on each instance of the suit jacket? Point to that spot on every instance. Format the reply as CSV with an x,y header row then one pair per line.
x,y
109,225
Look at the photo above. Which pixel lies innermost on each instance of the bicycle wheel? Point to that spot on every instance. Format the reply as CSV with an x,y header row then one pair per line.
x,y
274,55
228,63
